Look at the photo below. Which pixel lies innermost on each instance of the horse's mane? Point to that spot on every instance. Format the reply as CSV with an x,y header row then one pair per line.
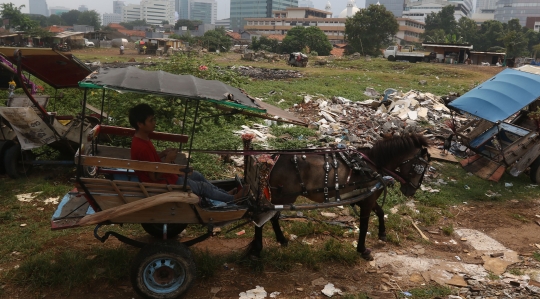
x,y
391,150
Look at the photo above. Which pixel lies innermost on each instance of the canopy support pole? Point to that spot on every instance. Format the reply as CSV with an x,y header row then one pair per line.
x,y
102,106
191,142
184,121
79,168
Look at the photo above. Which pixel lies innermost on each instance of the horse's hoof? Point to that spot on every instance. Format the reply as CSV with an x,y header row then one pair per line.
x,y
383,238
367,255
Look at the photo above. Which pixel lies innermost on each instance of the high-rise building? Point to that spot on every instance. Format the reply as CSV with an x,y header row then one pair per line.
x,y
118,6
83,8
182,7
507,10
38,7
394,6
111,18
203,10
305,3
485,6
58,10
419,9
153,11
241,9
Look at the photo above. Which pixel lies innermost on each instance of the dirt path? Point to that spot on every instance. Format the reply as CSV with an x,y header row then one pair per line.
x,y
380,278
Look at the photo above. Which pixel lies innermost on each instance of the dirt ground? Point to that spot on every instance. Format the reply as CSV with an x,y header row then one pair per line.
x,y
497,220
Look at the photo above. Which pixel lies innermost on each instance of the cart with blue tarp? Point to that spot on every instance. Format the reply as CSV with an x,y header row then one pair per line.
x,y
504,130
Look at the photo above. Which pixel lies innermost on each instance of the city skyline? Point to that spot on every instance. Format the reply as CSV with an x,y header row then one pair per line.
x,y
106,6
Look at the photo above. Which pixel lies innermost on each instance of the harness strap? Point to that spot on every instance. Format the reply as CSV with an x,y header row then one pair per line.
x,y
336,165
295,161
326,168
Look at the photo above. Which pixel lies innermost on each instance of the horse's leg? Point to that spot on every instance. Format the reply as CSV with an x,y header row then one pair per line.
x,y
277,230
256,245
365,212
380,215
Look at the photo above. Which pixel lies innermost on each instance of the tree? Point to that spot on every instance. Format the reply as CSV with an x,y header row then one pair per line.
x,y
468,30
190,24
216,39
130,25
90,18
371,29
488,36
264,43
16,18
444,19
71,17
55,20
514,39
301,38
41,20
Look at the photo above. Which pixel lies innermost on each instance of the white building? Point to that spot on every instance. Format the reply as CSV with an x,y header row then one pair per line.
x,y
153,11
111,18
350,10
118,6
419,9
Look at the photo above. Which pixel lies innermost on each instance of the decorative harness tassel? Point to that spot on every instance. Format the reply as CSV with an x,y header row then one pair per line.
x,y
326,168
336,165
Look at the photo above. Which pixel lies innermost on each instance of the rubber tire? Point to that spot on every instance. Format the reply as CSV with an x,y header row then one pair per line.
x,y
155,253
534,171
156,229
391,58
12,157
412,60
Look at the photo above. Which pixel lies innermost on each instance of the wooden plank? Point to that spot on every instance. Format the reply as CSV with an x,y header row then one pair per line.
x,y
186,197
129,132
436,154
496,176
165,213
469,160
482,167
520,147
217,216
526,160
118,191
132,164
125,153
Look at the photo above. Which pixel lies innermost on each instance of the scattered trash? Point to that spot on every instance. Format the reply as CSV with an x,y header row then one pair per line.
x,y
406,294
507,185
329,215
274,294
458,258
490,193
27,197
23,225
240,232
466,187
256,293
293,237
329,290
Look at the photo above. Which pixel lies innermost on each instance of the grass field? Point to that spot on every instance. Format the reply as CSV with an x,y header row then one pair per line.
x,y
34,257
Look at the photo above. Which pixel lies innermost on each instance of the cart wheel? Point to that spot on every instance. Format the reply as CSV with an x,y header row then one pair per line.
x,y
163,270
534,172
13,161
156,229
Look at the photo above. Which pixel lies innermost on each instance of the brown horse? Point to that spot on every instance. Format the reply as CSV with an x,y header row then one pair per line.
x,y
314,176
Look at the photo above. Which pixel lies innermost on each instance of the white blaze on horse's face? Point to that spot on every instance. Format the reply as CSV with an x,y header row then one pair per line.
x,y
412,170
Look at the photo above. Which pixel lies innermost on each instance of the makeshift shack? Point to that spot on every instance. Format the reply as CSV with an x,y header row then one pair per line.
x,y
159,46
449,53
486,57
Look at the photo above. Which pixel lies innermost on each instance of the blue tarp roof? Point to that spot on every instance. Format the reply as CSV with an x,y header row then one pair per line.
x,y
501,96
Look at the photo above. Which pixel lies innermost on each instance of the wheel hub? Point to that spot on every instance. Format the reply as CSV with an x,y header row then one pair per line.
x,y
164,275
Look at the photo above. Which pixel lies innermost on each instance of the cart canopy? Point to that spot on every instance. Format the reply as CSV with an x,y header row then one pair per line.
x,y
133,79
59,70
503,95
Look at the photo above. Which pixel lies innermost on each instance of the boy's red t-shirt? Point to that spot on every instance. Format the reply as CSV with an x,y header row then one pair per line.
x,y
144,150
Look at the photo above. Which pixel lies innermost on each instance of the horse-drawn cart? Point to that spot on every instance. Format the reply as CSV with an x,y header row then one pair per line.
x,y
25,123
504,131
165,268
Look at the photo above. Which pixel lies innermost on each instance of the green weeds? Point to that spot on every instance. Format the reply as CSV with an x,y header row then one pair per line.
x,y
428,292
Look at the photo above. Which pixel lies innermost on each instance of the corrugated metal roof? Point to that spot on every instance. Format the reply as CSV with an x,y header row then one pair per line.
x,y
68,34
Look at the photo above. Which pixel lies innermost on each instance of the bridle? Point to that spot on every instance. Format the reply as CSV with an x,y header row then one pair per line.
x,y
418,167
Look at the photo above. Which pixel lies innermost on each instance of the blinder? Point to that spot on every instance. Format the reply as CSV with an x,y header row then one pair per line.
x,y
419,165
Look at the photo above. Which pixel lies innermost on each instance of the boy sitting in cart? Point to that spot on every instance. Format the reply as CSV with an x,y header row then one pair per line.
x,y
141,117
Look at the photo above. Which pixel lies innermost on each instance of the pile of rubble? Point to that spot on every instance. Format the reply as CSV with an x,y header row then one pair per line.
x,y
266,74
260,56
359,124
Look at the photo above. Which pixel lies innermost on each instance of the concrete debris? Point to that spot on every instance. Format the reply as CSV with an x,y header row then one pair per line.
x,y
256,293
265,74
262,56
329,290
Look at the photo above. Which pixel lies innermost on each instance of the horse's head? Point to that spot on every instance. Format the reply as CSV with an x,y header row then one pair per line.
x,y
405,158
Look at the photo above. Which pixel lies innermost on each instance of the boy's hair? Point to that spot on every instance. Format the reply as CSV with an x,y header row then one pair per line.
x,y
138,114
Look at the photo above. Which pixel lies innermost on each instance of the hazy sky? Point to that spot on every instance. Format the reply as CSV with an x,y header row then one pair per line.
x,y
105,6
